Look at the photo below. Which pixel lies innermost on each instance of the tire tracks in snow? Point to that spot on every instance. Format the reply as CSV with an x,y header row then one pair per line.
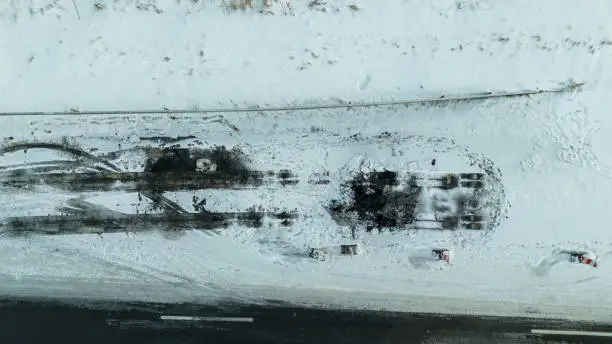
x,y
137,269
90,161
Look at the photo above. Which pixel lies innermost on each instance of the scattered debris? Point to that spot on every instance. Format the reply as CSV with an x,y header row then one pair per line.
x,y
581,257
235,5
319,178
199,205
205,165
148,7
320,254
349,249
287,177
442,254
546,264
253,217
318,5
430,258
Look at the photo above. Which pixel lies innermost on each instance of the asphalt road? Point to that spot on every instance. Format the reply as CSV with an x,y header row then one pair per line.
x,y
25,321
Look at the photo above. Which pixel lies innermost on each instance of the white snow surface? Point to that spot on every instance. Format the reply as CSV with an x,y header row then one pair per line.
x,y
552,149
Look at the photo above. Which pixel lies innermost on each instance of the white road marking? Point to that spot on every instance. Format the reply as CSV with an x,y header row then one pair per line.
x,y
572,333
192,318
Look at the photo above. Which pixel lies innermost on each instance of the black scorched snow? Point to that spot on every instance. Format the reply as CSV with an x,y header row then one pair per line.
x,y
380,200
177,160
376,200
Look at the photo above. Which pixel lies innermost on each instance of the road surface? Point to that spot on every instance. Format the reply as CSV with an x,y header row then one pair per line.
x,y
70,321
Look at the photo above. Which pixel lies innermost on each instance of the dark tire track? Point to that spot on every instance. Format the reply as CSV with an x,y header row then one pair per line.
x,y
148,181
84,223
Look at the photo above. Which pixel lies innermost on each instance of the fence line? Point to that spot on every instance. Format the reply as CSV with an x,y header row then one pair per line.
x,y
442,99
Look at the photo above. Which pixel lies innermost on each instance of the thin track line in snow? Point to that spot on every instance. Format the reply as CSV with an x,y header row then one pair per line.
x,y
209,288
117,264
76,9
570,87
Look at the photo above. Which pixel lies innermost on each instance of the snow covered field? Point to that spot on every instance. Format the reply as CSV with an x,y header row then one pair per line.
x,y
551,149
